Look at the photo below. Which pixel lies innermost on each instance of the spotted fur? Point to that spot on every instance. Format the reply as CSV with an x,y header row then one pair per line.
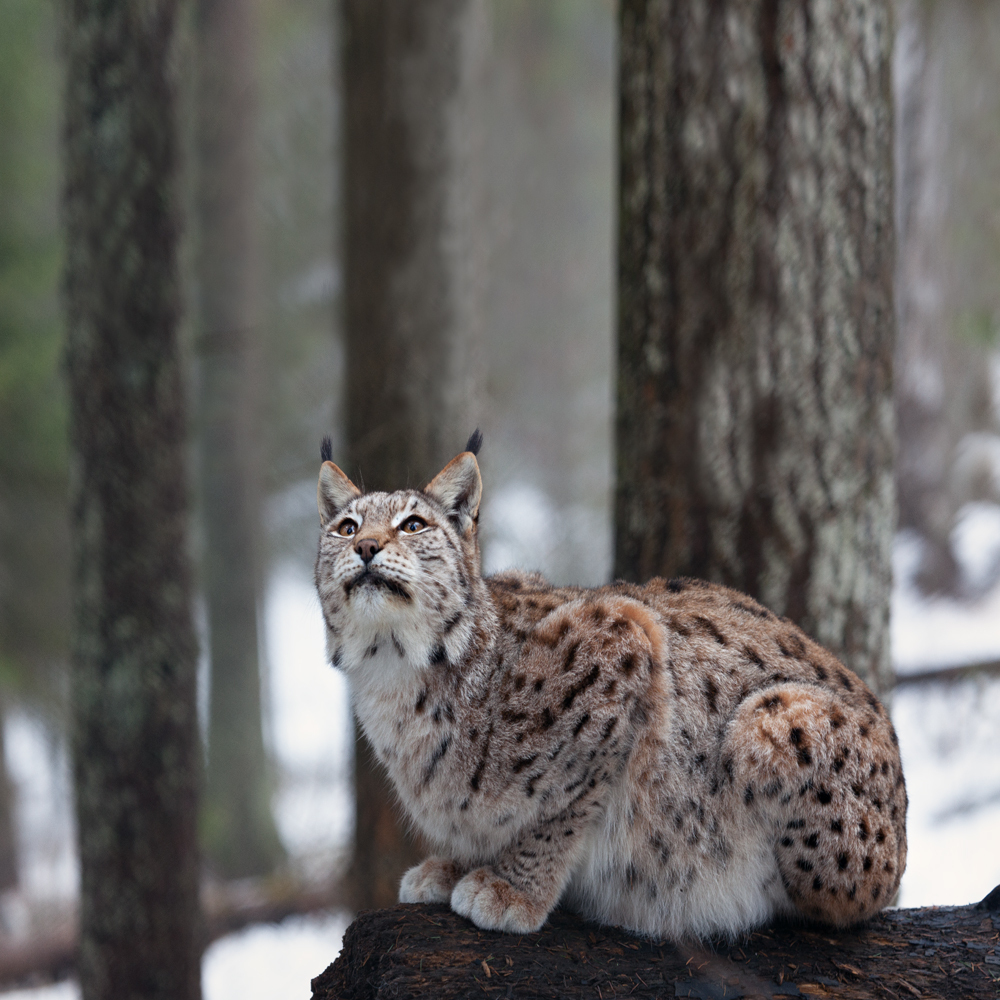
x,y
672,758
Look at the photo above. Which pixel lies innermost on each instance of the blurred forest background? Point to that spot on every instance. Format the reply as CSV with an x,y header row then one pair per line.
x,y
545,349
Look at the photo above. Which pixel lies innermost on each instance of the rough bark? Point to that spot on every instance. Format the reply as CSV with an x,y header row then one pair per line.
x,y
428,951
412,289
134,733
239,833
755,324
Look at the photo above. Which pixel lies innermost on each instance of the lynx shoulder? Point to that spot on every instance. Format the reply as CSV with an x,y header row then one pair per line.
x,y
671,758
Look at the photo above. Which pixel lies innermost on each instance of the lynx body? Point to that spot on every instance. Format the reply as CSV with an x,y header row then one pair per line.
x,y
671,758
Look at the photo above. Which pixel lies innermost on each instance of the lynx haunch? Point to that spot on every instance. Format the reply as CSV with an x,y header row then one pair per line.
x,y
671,758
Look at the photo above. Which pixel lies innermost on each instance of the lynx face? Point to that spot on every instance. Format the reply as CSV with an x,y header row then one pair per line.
x,y
396,571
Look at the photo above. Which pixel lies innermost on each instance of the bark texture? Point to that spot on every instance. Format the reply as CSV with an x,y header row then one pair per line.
x,y
134,733
412,120
429,952
239,833
755,325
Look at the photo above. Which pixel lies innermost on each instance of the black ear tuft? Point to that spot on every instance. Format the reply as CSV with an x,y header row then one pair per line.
x,y
475,441
326,450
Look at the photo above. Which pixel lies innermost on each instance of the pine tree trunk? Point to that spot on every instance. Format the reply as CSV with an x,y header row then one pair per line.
x,y
412,287
240,836
134,732
755,424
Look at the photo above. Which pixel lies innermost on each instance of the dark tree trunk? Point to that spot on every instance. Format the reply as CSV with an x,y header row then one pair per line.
x,y
755,420
412,280
239,833
429,952
134,732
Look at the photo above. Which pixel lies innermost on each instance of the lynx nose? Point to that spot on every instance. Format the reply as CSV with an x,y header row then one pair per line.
x,y
367,548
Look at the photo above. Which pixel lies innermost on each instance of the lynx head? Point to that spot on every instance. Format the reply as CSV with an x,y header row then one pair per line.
x,y
397,572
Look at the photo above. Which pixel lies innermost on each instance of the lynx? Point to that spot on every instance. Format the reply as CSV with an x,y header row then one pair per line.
x,y
671,758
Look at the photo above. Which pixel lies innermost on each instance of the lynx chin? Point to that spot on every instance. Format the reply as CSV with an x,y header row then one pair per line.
x,y
671,758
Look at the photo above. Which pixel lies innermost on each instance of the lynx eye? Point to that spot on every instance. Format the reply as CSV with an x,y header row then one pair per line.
x,y
413,524
347,527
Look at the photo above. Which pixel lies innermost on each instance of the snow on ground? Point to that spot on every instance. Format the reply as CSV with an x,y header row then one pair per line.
x,y
312,731
948,737
258,963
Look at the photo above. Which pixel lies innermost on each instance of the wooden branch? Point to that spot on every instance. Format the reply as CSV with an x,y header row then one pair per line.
x,y
949,675
430,953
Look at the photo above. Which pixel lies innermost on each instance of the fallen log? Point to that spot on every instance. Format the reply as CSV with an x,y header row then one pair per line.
x,y
949,675
427,951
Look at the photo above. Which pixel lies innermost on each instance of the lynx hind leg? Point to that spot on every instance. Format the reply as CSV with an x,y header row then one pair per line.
x,y
827,777
432,881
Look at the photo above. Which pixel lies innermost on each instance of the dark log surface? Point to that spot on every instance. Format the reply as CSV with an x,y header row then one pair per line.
x,y
429,952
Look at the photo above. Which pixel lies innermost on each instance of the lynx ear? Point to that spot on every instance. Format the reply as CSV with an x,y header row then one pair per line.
x,y
334,492
458,487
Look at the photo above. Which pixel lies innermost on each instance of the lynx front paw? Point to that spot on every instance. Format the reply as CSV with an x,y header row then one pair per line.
x,y
429,882
493,904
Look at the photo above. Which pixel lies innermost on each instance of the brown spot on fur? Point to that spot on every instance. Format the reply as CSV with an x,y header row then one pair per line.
x,y
711,693
704,624
570,657
580,686
755,610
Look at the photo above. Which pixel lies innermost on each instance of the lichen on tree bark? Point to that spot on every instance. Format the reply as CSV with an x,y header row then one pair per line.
x,y
134,732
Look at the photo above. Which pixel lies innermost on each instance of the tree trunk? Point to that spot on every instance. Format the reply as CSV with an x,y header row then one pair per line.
x,y
755,422
134,732
429,952
412,288
239,833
